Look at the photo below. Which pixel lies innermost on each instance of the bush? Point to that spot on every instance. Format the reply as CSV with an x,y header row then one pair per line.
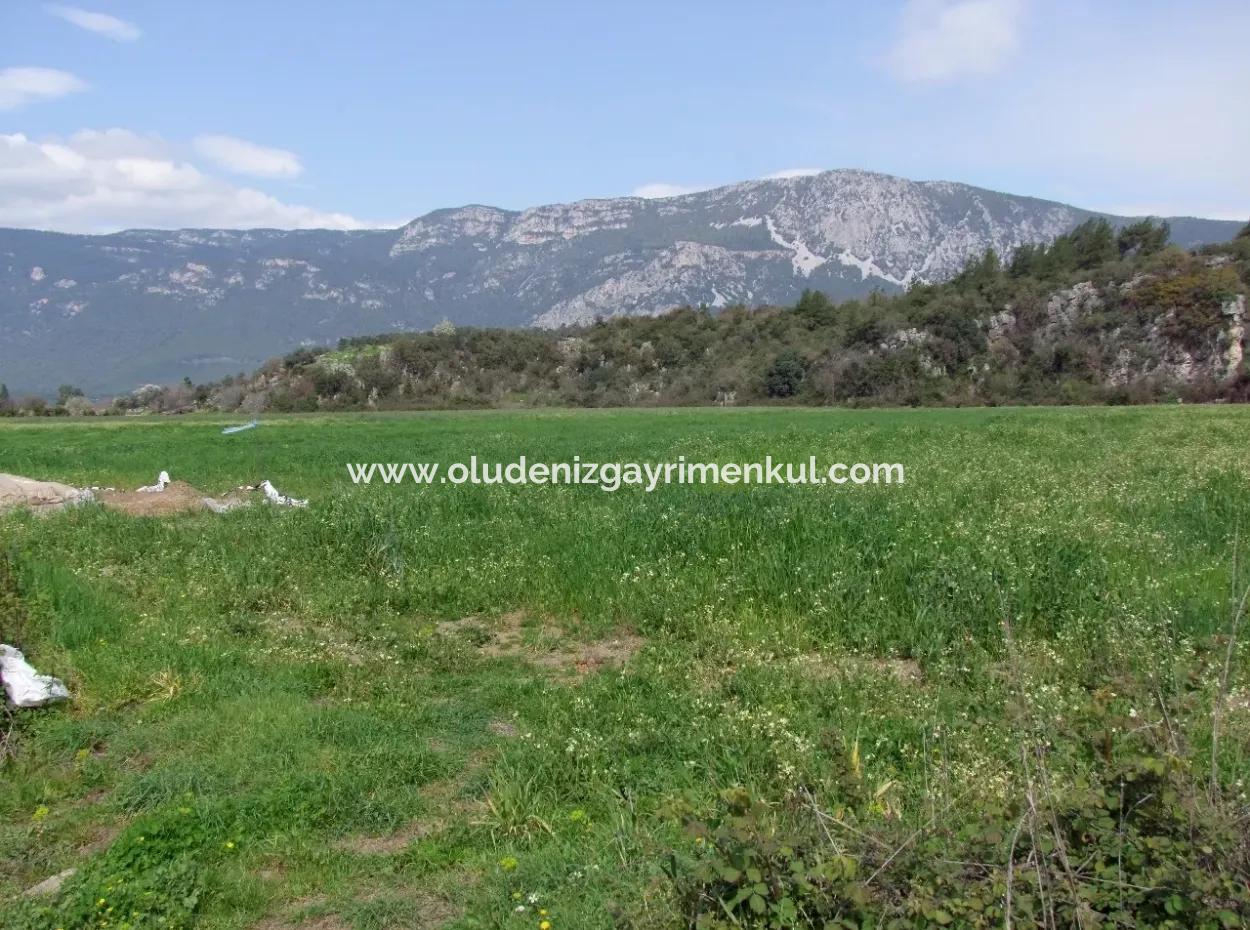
x,y
1127,837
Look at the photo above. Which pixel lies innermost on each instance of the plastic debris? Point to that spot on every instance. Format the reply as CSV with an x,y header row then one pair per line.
x,y
24,686
238,429
274,497
161,481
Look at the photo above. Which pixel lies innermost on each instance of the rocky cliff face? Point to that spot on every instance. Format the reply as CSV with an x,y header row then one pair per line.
x,y
108,312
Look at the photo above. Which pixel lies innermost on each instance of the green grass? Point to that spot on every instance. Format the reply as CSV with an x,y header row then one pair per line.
x,y
257,691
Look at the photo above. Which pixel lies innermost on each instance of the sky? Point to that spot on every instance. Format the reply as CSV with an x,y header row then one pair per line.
x,y
173,113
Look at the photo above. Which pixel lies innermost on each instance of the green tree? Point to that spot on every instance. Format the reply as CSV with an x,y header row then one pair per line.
x,y
785,375
65,392
300,358
1093,244
813,302
1024,260
1143,237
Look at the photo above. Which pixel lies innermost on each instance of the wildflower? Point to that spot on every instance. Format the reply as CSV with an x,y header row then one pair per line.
x,y
229,844
508,863
544,925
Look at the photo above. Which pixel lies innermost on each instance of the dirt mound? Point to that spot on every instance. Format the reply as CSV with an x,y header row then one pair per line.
x,y
177,497
173,497
16,491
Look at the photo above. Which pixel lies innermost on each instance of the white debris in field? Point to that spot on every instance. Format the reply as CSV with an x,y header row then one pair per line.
x,y
24,686
226,505
274,497
161,481
175,496
16,491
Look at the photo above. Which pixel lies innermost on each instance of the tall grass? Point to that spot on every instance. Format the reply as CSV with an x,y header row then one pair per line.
x,y
281,671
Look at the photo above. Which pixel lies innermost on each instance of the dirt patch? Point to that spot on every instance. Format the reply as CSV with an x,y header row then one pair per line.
x,y
296,916
178,497
547,645
391,843
904,671
605,653
173,497
503,728
320,922
100,838
94,796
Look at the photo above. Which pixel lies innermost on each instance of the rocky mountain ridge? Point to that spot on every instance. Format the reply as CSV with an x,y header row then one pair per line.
x,y
109,312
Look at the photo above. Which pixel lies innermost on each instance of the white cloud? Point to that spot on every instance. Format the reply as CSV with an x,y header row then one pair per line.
x,y
100,23
20,86
101,181
1169,144
658,189
945,39
242,157
785,173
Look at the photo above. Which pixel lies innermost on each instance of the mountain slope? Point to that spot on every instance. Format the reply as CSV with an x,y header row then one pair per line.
x,y
108,312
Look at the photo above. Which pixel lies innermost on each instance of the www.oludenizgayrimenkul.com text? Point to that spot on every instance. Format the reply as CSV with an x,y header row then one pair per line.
x,y
612,476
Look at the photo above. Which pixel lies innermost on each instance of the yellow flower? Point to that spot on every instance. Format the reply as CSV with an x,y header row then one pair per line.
x,y
229,844
544,925
542,912
508,863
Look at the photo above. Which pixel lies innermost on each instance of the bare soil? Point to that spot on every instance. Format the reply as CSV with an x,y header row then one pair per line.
x,y
549,646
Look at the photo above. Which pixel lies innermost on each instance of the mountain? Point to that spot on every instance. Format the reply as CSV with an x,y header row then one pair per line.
x,y
110,312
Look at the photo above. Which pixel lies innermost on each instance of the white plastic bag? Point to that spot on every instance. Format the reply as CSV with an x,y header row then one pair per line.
x,y
161,480
24,686
272,495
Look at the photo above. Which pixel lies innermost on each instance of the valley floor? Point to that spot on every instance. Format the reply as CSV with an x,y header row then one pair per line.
x,y
472,707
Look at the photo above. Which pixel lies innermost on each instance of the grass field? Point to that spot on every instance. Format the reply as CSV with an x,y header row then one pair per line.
x,y
464,706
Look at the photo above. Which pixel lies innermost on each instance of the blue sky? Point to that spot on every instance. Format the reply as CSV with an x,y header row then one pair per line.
x,y
119,114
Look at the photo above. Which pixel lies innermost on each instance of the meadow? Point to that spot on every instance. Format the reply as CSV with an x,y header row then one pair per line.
x,y
556,707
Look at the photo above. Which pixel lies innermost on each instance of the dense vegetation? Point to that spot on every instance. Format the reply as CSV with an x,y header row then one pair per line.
x,y
1097,316
1009,692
